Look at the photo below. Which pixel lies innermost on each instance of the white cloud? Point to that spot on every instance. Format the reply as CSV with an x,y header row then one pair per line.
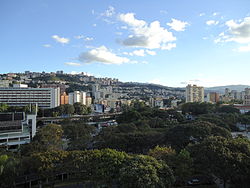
x,y
144,62
109,12
88,38
79,37
151,36
61,40
177,25
150,52
212,22
118,33
163,12
202,14
168,46
237,31
244,48
124,27
215,13
47,46
72,64
139,52
130,19
94,25
83,37
102,55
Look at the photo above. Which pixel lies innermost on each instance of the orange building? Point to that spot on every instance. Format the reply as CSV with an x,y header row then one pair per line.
x,y
214,97
64,99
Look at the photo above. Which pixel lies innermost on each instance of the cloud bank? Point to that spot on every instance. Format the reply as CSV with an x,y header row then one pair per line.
x,y
102,55
150,36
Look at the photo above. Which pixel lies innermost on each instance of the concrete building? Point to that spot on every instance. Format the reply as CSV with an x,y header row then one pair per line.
x,y
194,93
77,96
16,129
246,100
96,91
20,85
213,97
174,103
4,83
43,97
64,99
156,102
88,101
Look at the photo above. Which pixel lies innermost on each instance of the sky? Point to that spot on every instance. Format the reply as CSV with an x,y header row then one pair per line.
x,y
168,42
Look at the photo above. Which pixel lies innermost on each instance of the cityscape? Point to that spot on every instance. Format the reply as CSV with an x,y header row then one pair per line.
x,y
107,94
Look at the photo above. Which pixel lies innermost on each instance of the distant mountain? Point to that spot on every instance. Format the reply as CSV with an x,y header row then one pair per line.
x,y
221,89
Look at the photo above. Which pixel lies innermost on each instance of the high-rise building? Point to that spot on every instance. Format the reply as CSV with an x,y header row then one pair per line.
x,y
246,100
43,97
88,101
213,97
64,99
194,93
77,96
4,83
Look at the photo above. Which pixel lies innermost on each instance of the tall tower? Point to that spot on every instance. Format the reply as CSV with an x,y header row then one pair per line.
x,y
194,93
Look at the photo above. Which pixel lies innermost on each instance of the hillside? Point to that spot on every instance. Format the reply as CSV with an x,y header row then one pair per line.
x,y
221,89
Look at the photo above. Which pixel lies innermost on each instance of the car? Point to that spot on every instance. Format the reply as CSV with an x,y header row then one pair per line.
x,y
194,181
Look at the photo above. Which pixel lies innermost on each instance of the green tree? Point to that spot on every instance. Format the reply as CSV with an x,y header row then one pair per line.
x,y
78,134
46,139
49,163
184,163
166,154
197,108
80,108
69,109
228,109
181,135
245,120
144,171
227,159
132,142
10,168
3,107
3,160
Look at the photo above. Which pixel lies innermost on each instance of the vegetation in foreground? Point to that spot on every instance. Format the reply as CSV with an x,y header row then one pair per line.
x,y
149,148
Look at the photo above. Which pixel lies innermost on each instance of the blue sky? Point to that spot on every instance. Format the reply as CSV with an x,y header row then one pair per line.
x,y
168,42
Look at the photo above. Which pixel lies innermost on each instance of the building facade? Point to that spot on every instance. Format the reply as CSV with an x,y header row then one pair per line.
x,y
16,129
213,97
43,97
64,99
77,96
246,100
194,93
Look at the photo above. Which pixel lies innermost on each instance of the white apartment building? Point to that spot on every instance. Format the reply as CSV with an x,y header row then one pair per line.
x,y
246,100
77,96
156,102
16,129
4,83
22,96
194,93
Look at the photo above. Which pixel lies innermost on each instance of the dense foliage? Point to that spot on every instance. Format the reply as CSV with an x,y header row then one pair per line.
x,y
148,148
